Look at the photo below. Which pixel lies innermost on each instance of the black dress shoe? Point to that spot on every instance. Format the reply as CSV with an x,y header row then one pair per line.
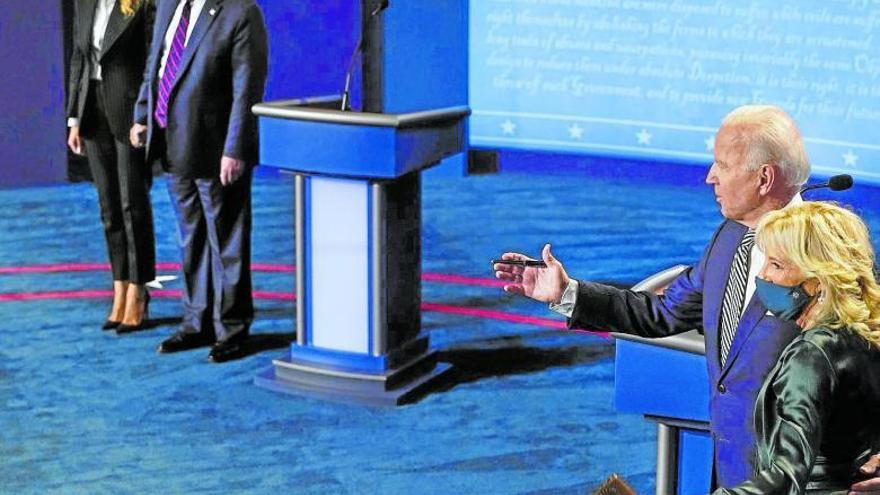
x,y
110,325
227,350
184,341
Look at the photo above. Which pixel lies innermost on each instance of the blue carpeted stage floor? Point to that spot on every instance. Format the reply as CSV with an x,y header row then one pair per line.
x,y
529,410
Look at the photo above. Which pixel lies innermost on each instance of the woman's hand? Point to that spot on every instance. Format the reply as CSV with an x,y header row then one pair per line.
x,y
137,135
74,142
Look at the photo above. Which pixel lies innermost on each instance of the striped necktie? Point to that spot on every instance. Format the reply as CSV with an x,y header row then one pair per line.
x,y
172,63
735,293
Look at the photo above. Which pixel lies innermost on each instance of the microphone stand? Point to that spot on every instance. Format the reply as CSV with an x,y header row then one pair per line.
x,y
346,90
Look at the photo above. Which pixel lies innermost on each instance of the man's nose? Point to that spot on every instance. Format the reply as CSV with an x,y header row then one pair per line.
x,y
710,175
711,178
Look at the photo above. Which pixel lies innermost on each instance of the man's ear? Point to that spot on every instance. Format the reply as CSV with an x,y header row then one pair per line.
x,y
767,176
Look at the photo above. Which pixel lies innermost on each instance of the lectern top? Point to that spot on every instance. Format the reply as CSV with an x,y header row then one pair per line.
x,y
314,109
692,341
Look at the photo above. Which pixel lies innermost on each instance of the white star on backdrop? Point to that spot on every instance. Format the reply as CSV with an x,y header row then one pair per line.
x,y
508,127
576,131
850,158
644,137
710,143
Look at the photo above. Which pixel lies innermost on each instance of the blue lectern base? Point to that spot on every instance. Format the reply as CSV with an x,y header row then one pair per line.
x,y
403,385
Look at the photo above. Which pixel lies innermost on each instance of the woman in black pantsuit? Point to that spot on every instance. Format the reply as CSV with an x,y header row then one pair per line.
x,y
111,40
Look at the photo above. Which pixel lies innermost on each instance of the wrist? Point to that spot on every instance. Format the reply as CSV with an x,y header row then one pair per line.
x,y
560,293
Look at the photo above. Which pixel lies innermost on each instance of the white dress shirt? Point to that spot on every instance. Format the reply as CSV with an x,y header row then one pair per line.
x,y
102,17
197,6
566,304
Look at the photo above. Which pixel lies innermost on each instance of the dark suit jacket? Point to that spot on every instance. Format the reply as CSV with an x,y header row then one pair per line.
x,y
693,301
123,55
221,75
816,415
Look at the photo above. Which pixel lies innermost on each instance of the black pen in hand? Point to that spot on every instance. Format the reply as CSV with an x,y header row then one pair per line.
x,y
535,263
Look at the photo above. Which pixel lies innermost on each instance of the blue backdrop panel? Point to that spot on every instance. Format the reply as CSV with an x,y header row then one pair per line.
x,y
660,382
309,46
309,41
654,79
422,73
32,141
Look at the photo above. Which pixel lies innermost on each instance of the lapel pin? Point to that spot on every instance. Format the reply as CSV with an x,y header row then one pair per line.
x,y
212,12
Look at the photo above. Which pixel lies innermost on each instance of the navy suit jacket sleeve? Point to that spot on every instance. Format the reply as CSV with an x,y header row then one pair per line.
x,y
250,51
679,309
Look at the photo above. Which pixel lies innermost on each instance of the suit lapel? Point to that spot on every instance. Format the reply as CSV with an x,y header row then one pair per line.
x,y
716,283
115,27
87,20
210,11
754,313
163,21
163,18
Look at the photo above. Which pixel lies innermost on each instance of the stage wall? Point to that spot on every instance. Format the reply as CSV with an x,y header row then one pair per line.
x,y
32,126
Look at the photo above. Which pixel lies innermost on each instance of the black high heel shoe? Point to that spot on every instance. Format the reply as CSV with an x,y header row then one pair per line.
x,y
110,325
122,328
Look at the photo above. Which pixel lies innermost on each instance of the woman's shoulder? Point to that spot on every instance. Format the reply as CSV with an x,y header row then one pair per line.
x,y
818,341
834,340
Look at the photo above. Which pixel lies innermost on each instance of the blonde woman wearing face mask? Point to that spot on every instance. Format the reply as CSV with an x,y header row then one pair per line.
x,y
817,416
110,42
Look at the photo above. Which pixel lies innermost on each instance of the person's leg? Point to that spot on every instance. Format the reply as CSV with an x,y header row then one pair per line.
x,y
195,254
137,215
101,152
228,219
135,180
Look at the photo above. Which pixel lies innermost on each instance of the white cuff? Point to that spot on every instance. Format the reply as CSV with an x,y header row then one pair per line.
x,y
565,307
72,122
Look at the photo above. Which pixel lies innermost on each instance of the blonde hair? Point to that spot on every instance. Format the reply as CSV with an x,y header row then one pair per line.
x,y
831,244
769,135
129,7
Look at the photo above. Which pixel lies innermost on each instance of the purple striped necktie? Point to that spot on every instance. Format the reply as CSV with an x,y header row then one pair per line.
x,y
172,63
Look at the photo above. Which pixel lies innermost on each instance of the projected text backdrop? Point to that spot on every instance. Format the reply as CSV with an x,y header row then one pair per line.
x,y
654,78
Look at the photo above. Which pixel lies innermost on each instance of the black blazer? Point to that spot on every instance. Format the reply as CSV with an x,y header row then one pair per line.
x,y
123,56
816,416
221,75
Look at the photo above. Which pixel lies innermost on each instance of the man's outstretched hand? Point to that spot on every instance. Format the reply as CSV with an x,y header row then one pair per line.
x,y
541,284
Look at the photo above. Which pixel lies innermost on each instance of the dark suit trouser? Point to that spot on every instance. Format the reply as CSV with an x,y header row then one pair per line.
x,y
215,244
123,182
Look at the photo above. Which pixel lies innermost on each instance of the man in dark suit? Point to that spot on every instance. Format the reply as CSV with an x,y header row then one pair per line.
x,y
206,68
760,164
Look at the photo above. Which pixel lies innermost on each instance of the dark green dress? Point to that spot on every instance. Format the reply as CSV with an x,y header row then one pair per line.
x,y
817,416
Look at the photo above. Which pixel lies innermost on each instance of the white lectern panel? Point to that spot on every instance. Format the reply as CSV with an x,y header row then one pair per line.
x,y
340,264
